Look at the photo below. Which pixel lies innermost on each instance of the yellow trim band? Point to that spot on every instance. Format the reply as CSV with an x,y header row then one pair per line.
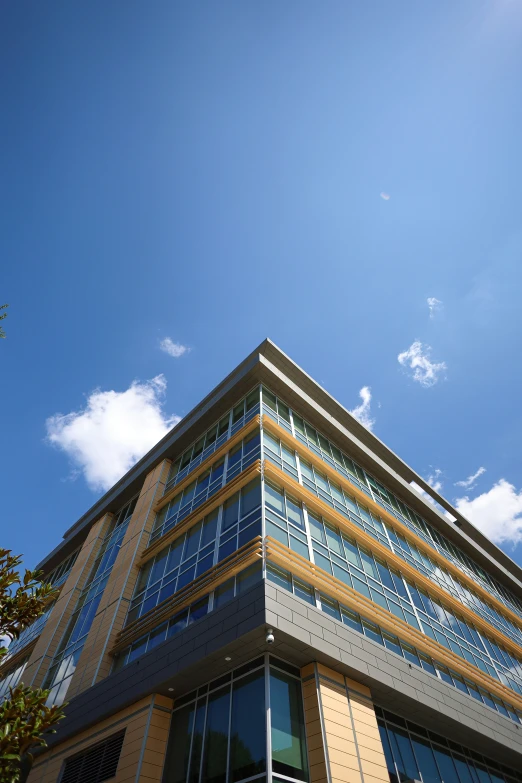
x,y
199,587
201,511
214,457
351,489
323,509
290,561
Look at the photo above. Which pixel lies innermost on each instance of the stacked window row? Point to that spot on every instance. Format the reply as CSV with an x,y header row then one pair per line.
x,y
342,502
340,555
65,661
207,484
59,574
12,678
326,450
213,438
31,632
414,753
362,625
240,726
208,542
181,620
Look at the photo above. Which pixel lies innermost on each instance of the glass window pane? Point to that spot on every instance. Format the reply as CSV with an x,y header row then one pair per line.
x,y
231,511
271,442
403,754
287,729
248,577
294,512
316,528
248,730
446,765
426,761
223,593
250,497
269,399
275,498
216,738
197,743
192,541
304,591
463,770
174,558
209,528
387,753
279,577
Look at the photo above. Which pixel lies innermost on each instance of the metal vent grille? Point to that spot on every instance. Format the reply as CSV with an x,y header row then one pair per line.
x,y
95,764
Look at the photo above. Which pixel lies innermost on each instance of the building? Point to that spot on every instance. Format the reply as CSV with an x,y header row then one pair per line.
x,y
266,597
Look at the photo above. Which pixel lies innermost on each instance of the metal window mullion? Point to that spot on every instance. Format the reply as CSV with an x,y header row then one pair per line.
x,y
204,739
189,765
268,712
229,728
308,534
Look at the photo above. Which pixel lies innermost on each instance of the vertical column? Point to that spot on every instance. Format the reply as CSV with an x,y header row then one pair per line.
x,y
343,737
95,662
57,623
146,724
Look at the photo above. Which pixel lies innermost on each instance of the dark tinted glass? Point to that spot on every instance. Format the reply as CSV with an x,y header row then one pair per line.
x,y
248,729
426,761
288,742
216,738
178,751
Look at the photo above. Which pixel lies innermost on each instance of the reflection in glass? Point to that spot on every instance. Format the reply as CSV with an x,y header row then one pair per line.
x,y
288,742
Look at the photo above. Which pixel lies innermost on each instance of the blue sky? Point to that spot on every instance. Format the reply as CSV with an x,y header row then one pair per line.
x,y
212,173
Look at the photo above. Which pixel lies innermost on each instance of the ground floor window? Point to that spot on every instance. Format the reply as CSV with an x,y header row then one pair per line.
x,y
414,753
241,727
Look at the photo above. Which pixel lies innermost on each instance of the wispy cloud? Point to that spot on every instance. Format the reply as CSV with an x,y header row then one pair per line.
x,y
362,412
173,349
435,306
497,512
434,480
114,429
385,196
417,358
469,483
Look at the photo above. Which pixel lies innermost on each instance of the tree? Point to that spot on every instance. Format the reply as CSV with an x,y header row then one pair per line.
x,y
24,717
4,315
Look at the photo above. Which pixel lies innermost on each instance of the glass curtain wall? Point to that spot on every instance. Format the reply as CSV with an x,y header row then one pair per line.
x,y
304,432
12,678
246,725
65,661
414,753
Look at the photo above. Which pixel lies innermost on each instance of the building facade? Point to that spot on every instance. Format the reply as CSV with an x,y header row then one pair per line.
x,y
266,597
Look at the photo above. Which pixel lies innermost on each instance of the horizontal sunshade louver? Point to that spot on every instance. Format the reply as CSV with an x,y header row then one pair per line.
x,y
96,764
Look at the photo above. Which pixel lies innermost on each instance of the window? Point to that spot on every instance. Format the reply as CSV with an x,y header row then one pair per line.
x,y
218,434
207,484
222,734
64,663
12,678
178,622
288,741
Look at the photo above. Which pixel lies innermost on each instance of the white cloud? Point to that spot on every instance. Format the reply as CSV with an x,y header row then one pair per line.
x,y
173,349
362,411
115,429
469,483
417,358
434,480
385,196
435,306
497,512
